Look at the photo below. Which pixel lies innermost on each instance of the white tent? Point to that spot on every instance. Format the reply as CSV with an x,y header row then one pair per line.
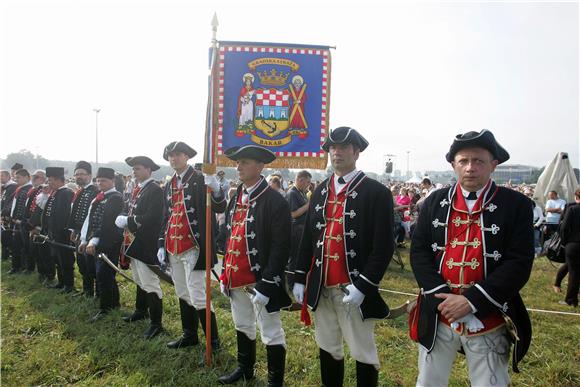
x,y
414,179
557,176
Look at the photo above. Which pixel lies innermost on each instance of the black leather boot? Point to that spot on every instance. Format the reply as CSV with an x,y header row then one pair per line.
x,y
276,364
215,340
189,324
366,375
331,370
105,304
140,312
116,303
246,361
156,311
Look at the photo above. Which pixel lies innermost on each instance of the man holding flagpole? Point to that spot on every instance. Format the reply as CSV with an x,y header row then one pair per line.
x,y
258,235
99,235
182,237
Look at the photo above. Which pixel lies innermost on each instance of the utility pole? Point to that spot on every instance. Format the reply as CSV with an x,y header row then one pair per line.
x,y
97,111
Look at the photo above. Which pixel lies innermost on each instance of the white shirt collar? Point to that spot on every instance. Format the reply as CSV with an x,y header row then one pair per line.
x,y
142,184
347,178
251,189
182,174
466,192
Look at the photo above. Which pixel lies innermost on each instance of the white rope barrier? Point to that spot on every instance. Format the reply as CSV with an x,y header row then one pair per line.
x,y
529,309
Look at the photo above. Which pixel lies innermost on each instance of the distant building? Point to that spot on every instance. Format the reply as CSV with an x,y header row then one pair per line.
x,y
515,173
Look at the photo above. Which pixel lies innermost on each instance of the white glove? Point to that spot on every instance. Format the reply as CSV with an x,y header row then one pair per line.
x,y
161,255
260,299
121,221
354,297
223,288
41,200
212,183
298,291
472,323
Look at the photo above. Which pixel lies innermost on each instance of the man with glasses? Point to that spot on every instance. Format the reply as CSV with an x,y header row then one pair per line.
x,y
99,234
80,208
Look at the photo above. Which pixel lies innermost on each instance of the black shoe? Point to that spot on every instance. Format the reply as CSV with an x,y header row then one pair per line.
x,y
140,312
246,361
331,370
136,316
187,339
152,331
100,314
276,365
56,286
14,271
366,375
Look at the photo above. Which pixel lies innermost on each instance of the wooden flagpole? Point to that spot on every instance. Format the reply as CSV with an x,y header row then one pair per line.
x,y
208,231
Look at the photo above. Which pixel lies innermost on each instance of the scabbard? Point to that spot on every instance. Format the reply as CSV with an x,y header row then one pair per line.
x,y
161,274
106,259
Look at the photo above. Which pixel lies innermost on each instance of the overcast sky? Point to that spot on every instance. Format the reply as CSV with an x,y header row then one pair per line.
x,y
408,76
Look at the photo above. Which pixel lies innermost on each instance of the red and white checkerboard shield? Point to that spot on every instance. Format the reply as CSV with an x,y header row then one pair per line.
x,y
271,111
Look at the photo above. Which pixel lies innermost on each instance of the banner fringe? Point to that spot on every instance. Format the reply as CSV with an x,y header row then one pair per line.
x,y
284,162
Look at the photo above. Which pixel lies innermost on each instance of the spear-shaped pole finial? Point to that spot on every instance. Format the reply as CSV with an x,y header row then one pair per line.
x,y
214,26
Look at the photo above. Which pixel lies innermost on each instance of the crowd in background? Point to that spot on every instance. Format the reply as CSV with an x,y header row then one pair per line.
x,y
408,198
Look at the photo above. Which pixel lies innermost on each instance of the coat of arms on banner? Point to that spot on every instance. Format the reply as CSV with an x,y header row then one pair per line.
x,y
276,97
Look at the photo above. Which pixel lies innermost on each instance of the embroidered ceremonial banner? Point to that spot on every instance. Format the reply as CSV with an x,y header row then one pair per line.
x,y
273,95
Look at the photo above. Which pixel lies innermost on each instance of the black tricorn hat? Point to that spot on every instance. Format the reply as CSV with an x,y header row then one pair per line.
x,y
107,173
55,172
483,139
253,152
178,146
84,165
16,166
345,135
142,160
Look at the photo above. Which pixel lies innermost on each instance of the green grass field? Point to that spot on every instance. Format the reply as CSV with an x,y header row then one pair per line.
x,y
46,340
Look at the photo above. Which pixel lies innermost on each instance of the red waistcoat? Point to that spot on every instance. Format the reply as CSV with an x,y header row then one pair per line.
x,y
464,262
237,271
334,260
178,238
